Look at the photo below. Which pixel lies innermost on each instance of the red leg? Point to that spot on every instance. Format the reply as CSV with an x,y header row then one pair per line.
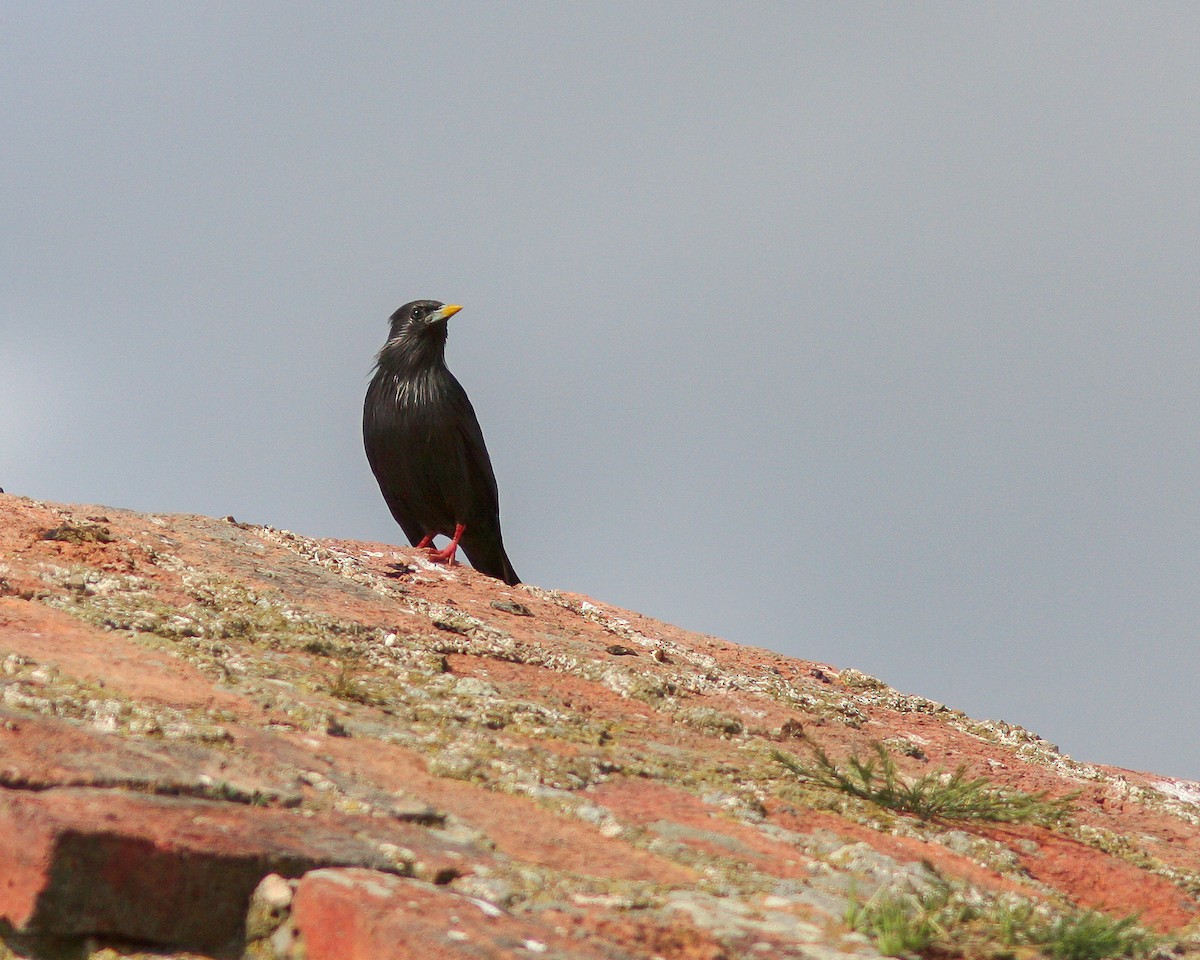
x,y
447,556
426,541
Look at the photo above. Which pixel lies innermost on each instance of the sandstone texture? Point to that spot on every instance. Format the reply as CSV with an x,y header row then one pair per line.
x,y
224,740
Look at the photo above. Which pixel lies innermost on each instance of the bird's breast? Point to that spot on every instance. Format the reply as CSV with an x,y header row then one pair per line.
x,y
408,405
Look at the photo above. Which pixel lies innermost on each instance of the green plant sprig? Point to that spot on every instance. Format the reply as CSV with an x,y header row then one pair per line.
x,y
936,795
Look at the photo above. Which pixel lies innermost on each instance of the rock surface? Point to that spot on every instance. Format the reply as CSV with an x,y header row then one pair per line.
x,y
231,740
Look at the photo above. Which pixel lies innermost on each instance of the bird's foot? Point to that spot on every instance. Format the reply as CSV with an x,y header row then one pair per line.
x,y
426,542
446,556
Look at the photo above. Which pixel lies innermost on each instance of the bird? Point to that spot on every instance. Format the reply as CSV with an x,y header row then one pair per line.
x,y
425,445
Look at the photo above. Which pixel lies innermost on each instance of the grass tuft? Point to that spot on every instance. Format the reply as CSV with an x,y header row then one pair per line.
x,y
1094,936
346,685
938,921
933,796
899,923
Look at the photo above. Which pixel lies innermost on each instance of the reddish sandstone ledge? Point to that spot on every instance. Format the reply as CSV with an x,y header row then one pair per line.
x,y
448,767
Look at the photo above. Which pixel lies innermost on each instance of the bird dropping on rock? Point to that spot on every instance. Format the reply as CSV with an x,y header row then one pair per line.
x,y
425,447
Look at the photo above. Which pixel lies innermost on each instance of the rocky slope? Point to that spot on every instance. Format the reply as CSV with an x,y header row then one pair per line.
x,y
221,739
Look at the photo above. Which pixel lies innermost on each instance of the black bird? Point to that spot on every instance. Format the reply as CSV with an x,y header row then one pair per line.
x,y
425,446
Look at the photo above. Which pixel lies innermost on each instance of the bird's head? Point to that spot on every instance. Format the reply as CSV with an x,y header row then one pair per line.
x,y
422,318
418,331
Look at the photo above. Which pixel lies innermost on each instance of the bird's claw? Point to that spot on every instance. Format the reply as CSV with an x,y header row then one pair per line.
x,y
446,556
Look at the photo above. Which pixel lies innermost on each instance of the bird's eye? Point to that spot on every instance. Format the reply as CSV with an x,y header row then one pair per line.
x,y
418,312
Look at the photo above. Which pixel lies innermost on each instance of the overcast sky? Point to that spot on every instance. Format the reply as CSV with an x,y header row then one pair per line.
x,y
863,332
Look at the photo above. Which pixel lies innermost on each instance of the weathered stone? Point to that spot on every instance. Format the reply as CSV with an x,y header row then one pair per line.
x,y
268,906
361,915
85,862
189,705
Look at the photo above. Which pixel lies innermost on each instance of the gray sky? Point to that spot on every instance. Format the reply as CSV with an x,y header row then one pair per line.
x,y
863,332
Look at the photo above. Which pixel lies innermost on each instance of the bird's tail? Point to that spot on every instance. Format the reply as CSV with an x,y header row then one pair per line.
x,y
509,575
490,558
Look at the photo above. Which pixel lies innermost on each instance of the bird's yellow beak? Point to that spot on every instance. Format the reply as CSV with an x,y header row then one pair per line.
x,y
444,313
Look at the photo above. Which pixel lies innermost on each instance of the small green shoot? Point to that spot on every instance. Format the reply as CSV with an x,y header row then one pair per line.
x,y
932,796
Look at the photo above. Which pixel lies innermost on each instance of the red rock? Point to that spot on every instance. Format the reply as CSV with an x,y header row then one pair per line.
x,y
311,713
680,815
165,870
106,657
363,915
516,825
1100,881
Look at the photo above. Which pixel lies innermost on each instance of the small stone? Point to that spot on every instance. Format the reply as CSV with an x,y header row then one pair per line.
x,y
283,940
905,746
275,892
511,606
416,811
453,622
268,906
397,854
473,687
335,728
487,889
791,729
488,909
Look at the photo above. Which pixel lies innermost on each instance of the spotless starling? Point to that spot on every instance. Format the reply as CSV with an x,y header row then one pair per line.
x,y
425,446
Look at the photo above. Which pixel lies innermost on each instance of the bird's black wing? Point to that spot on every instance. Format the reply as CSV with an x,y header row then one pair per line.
x,y
479,508
392,443
427,451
